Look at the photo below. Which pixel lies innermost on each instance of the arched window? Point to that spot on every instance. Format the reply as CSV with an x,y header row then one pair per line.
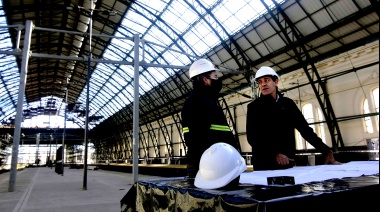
x,y
367,105
311,115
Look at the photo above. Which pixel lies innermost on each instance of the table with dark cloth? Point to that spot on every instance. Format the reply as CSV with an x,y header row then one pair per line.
x,y
178,194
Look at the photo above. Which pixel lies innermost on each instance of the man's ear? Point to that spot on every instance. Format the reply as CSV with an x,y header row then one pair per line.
x,y
276,81
205,80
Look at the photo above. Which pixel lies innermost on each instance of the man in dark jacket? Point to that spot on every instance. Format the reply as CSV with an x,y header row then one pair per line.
x,y
271,123
203,120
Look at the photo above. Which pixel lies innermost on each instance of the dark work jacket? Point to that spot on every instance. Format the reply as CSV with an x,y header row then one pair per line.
x,y
204,124
271,130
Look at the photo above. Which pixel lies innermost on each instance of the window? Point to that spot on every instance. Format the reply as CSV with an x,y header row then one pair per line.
x,y
367,105
367,119
375,94
321,126
311,117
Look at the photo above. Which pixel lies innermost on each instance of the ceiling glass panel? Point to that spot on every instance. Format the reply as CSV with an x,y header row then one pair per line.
x,y
179,16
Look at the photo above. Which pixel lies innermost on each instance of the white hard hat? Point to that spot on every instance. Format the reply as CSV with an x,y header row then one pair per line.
x,y
219,165
201,66
265,71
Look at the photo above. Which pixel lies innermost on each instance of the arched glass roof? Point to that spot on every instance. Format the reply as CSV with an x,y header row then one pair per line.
x,y
239,36
187,28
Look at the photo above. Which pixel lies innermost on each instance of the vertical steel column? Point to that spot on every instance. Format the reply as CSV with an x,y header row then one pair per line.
x,y
136,109
64,127
37,146
49,161
87,98
20,102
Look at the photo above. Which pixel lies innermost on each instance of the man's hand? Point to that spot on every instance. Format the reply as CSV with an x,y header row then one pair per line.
x,y
331,160
283,159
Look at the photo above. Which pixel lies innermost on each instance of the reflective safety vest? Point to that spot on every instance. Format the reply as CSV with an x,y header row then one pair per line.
x,y
212,127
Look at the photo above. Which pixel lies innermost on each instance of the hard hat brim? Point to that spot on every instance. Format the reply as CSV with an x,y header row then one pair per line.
x,y
222,181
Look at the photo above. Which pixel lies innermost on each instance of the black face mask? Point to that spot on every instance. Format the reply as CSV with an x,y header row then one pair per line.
x,y
216,85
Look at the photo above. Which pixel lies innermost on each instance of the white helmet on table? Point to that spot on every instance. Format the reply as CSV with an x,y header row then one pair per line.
x,y
201,66
265,71
219,165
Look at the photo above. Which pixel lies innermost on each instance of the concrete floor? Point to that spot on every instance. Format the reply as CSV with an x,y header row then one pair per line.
x,y
42,189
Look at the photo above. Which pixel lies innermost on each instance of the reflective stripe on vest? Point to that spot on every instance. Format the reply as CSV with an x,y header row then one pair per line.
x,y
213,127
220,127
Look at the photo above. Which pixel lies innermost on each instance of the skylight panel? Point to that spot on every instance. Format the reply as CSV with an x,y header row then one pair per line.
x,y
104,97
227,15
8,109
121,41
97,82
159,75
9,76
128,71
128,92
201,38
188,15
124,40
174,58
174,21
127,99
119,104
159,37
12,80
144,83
260,8
119,101
123,98
194,41
118,79
124,73
170,58
208,3
246,14
210,39
104,70
153,6
107,109
122,32
95,85
112,87
136,23
94,92
9,68
82,98
96,76
179,16
105,114
114,53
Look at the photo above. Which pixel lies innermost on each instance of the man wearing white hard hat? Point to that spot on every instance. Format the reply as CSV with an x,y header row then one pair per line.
x,y
203,120
271,123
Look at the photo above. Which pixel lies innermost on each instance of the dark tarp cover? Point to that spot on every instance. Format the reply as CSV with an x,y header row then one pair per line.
x,y
178,194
